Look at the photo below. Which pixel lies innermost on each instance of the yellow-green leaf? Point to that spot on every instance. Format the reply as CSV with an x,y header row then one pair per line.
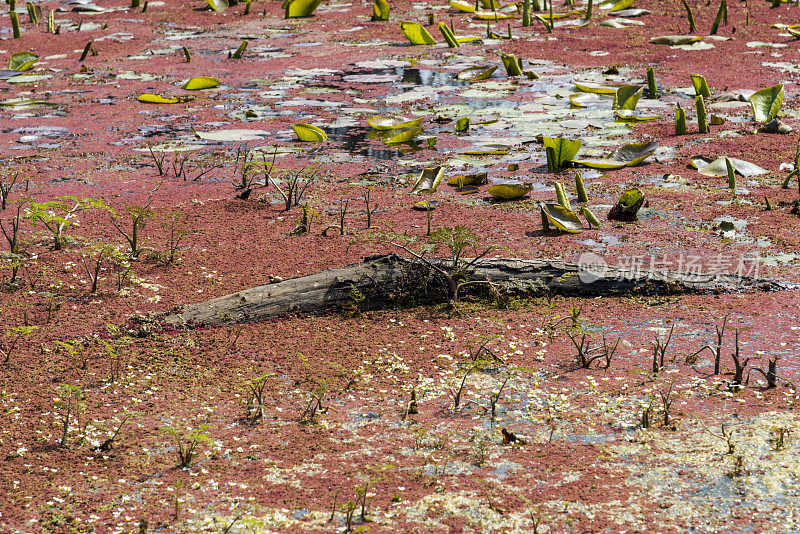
x,y
562,218
627,96
462,5
477,73
767,102
630,115
309,132
512,64
468,179
448,35
562,150
622,4
217,5
22,61
404,136
296,9
588,87
149,98
392,123
380,10
676,39
200,82
416,33
509,191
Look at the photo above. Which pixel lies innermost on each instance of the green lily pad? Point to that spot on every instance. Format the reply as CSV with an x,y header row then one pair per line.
x,y
560,151
562,218
428,181
149,98
627,96
22,61
416,33
767,102
199,83
509,191
622,4
309,133
462,5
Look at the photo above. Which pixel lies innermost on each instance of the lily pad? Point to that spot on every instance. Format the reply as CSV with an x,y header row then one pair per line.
x,y
233,135
589,87
631,115
309,132
199,83
625,156
718,167
509,191
477,73
403,136
628,206
512,64
627,96
767,102
416,33
428,181
391,123
676,39
22,61
468,179
560,151
149,98
297,9
622,4
461,5
425,205
562,218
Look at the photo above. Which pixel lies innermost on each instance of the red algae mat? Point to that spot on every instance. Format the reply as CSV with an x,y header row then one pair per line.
x,y
418,418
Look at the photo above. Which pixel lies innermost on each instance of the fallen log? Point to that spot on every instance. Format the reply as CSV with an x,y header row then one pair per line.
x,y
384,280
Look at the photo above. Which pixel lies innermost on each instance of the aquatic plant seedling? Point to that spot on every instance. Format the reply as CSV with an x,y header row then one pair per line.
x,y
660,349
188,443
560,151
666,402
256,401
702,118
70,400
176,235
344,203
296,185
239,52
14,336
717,352
770,375
58,215
652,88
5,189
689,17
580,187
314,406
739,365
86,50
15,24
448,35
731,174
721,18
93,258
584,356
590,217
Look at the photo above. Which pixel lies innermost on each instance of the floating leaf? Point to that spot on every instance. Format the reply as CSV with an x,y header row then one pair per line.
x,y
22,61
628,206
767,102
468,179
403,136
700,86
588,87
509,191
217,5
149,98
309,132
582,100
590,217
625,156
428,181
296,9
493,15
467,190
562,218
416,34
380,10
627,96
462,124
718,167
676,39
391,123
200,82
560,151
477,73
630,115
233,135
